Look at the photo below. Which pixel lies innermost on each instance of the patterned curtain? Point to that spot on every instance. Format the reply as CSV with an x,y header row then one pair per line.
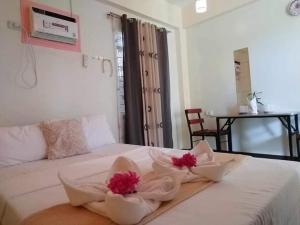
x,y
153,125
146,79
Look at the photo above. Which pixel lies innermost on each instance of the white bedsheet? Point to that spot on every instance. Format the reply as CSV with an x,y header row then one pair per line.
x,y
259,191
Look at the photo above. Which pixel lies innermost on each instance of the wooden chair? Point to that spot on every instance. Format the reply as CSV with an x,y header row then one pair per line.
x,y
196,120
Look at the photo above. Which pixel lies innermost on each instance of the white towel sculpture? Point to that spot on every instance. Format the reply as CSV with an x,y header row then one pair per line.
x,y
123,209
206,167
162,184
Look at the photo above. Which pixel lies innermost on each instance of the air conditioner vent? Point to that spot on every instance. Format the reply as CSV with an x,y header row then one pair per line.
x,y
53,26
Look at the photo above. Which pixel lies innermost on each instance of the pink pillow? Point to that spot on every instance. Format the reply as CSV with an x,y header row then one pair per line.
x,y
64,138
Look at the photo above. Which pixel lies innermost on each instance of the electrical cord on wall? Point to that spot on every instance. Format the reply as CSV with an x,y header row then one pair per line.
x,y
71,7
29,55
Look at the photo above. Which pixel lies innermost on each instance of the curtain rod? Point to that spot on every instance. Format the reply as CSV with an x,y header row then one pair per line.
x,y
117,16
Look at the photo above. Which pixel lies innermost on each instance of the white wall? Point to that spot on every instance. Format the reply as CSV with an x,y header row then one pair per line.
x,y
215,8
65,88
155,9
272,37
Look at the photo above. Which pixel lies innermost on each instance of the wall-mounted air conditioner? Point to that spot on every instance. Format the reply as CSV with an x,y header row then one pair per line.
x,y
52,26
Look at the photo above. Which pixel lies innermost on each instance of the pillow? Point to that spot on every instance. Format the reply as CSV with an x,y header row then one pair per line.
x,y
21,144
97,131
64,138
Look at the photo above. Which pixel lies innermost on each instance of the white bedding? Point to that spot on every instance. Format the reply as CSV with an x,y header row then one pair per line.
x,y
258,192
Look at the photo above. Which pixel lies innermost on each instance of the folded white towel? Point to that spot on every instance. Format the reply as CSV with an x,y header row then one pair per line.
x,y
81,193
206,167
128,209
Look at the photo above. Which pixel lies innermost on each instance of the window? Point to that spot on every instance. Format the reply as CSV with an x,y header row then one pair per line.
x,y
118,42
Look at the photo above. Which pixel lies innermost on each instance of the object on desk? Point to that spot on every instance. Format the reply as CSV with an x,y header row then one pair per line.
x,y
244,109
253,106
254,100
268,108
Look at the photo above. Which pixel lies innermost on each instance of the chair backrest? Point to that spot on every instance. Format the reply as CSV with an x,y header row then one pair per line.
x,y
194,121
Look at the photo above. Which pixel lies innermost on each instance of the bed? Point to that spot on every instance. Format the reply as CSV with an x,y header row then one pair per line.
x,y
258,191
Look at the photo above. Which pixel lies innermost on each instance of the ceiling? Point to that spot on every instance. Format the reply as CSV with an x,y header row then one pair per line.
x,y
181,3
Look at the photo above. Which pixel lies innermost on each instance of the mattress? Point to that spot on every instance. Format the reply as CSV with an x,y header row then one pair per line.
x,y
259,191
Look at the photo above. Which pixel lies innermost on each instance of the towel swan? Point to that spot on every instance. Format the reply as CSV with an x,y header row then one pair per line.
x,y
128,209
206,167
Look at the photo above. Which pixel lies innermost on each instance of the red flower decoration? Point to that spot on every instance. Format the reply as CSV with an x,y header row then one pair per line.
x,y
124,183
188,160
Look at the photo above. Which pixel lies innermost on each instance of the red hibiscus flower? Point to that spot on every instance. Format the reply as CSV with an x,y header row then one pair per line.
x,y
188,160
124,183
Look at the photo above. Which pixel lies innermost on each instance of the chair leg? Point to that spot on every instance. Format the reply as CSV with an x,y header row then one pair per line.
x,y
229,142
203,138
191,140
216,137
298,148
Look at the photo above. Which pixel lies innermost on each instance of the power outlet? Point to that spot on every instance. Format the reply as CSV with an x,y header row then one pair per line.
x,y
13,25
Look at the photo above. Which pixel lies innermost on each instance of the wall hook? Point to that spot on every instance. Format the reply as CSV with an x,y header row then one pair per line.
x,y
110,66
86,59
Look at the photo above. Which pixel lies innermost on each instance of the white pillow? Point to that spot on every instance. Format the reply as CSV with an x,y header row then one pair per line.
x,y
21,144
97,131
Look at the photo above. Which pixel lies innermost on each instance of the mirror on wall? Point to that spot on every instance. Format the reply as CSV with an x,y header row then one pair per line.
x,y
242,75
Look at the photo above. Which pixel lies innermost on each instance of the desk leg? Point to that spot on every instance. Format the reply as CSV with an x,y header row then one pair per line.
x,y
297,123
290,135
229,136
218,138
297,132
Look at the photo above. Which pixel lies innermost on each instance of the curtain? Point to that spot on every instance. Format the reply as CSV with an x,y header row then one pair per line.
x,y
153,127
147,84
164,76
134,123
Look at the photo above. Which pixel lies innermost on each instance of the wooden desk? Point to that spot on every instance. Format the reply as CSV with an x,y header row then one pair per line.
x,y
289,120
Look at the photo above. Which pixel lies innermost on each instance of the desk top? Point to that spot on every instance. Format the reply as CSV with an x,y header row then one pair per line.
x,y
258,115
